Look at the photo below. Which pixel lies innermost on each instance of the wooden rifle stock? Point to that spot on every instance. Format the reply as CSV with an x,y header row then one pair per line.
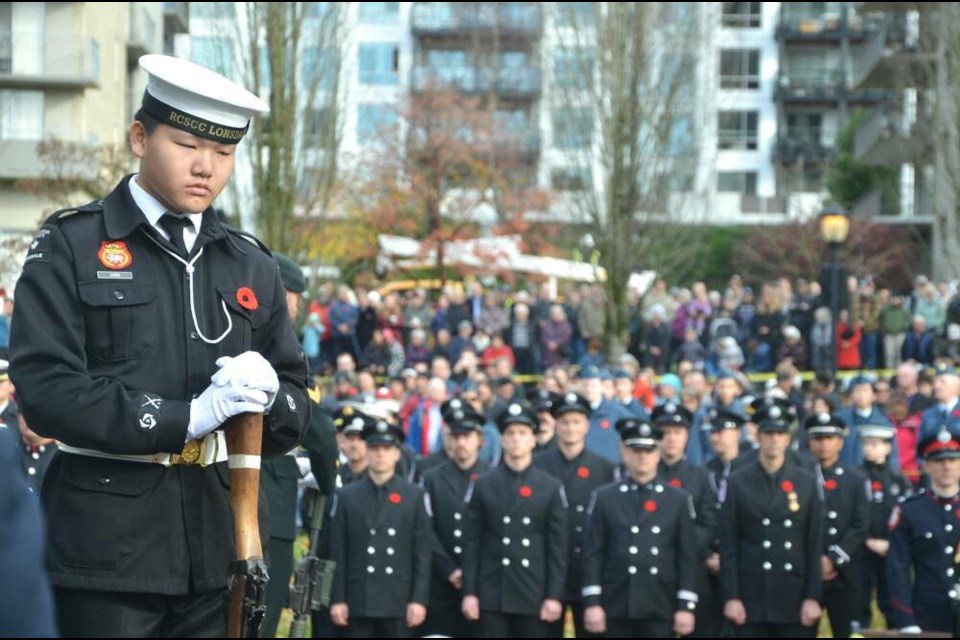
x,y
248,573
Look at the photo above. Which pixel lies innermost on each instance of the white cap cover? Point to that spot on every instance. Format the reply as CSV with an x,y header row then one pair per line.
x,y
197,100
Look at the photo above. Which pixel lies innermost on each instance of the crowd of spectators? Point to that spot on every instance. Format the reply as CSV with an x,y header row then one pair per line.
x,y
738,329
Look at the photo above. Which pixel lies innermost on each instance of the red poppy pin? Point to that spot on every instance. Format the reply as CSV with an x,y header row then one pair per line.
x,y
395,498
675,482
604,424
114,255
876,485
474,476
956,413
583,472
247,299
525,491
649,506
957,513
787,486
830,484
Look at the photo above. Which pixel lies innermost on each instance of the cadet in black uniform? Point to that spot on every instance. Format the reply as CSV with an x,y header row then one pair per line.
x,y
353,449
515,556
142,324
581,472
542,402
36,452
725,426
640,557
771,540
674,469
279,477
887,487
381,543
448,487
848,519
924,542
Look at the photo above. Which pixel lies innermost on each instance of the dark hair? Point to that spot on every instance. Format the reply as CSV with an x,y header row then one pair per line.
x,y
149,123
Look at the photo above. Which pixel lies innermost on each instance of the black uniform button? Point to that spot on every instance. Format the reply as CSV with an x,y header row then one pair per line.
x,y
194,336
104,480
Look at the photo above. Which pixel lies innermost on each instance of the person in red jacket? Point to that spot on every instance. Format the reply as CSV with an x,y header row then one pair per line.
x,y
848,342
498,349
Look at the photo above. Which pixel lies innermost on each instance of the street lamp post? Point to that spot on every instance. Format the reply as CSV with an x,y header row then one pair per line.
x,y
834,226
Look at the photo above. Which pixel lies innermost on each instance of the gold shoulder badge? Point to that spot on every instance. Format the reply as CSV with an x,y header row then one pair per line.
x,y
314,394
114,255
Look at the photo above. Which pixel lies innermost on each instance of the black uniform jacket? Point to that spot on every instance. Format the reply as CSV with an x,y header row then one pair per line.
x,y
640,559
106,355
581,476
887,487
847,522
449,488
771,542
380,540
517,549
279,477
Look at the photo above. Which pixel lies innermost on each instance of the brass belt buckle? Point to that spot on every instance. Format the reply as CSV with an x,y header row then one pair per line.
x,y
190,453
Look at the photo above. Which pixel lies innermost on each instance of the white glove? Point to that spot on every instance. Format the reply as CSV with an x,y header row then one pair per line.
x,y
303,464
249,369
308,482
212,408
913,629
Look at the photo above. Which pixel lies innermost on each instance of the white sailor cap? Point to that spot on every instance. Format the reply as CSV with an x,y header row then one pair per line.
x,y
197,100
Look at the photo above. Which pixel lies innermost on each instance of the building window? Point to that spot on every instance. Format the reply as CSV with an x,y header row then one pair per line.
x,y
571,179
215,53
21,115
212,10
576,15
805,127
379,63
573,68
742,182
737,130
374,120
572,128
379,12
740,69
741,15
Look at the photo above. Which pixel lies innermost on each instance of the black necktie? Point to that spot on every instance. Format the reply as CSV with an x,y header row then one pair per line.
x,y
174,226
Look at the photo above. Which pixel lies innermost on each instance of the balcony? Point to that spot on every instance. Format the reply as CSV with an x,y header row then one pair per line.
x,y
509,20
809,86
889,137
887,7
176,17
826,27
519,83
805,147
468,80
44,61
892,58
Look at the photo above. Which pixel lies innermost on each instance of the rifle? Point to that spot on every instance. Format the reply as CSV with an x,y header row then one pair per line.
x,y
314,577
248,574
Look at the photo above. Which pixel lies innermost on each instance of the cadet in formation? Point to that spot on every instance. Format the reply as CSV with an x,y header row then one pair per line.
x,y
516,551
771,539
449,486
581,472
380,540
640,558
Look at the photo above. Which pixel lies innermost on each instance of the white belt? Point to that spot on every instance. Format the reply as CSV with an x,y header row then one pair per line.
x,y
211,449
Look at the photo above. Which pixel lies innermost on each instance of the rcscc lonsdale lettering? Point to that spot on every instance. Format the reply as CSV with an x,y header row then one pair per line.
x,y
204,127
